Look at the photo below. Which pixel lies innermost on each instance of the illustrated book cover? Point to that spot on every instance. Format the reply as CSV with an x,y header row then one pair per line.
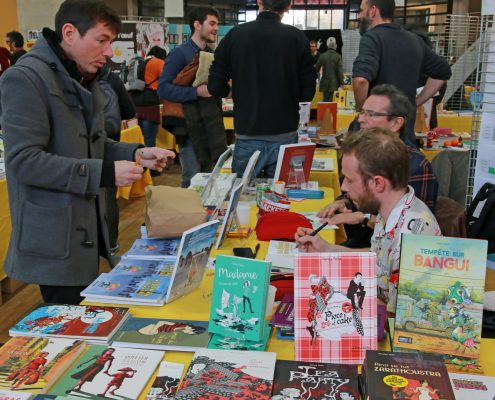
x,y
11,395
238,304
76,322
326,111
440,298
154,249
228,343
114,373
314,381
472,387
228,374
33,364
132,266
294,163
335,306
284,314
418,376
166,382
162,334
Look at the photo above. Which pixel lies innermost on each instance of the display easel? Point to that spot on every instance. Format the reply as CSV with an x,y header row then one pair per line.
x,y
296,177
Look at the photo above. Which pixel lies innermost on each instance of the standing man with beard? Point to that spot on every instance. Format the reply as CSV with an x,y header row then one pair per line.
x,y
390,54
375,166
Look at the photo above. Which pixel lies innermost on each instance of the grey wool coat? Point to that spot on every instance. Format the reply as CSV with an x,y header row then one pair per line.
x,y
55,145
333,74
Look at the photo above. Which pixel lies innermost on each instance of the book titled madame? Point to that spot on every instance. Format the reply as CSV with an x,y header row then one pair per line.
x,y
440,297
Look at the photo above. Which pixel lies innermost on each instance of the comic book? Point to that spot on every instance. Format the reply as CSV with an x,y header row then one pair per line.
x,y
33,364
94,323
228,374
162,334
11,395
227,343
314,381
114,373
284,314
133,266
440,298
153,249
472,387
166,382
335,306
238,305
402,376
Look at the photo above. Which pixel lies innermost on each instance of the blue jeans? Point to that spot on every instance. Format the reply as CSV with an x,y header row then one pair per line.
x,y
150,130
189,163
267,161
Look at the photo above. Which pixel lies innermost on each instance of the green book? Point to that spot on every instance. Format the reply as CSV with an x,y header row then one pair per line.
x,y
227,343
240,291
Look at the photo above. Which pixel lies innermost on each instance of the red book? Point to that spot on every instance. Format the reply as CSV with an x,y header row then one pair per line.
x,y
324,107
294,163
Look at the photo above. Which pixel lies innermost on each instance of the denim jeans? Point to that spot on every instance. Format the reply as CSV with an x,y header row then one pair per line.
x,y
267,161
189,163
150,130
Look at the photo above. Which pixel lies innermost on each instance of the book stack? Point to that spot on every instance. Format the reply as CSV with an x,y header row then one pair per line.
x,y
95,324
389,375
283,317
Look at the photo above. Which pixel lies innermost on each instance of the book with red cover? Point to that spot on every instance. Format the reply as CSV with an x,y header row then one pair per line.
x,y
324,107
335,306
291,155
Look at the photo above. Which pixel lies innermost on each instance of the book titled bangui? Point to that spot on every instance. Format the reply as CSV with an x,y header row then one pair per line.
x,y
335,306
440,298
239,296
314,381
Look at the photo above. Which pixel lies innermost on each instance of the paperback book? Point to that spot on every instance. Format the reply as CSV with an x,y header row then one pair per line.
x,y
94,323
153,249
166,382
115,373
472,387
440,298
284,314
228,343
131,266
33,364
335,306
228,374
238,305
11,395
314,381
162,334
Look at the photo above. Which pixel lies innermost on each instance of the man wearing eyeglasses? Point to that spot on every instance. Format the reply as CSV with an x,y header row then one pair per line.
x,y
390,54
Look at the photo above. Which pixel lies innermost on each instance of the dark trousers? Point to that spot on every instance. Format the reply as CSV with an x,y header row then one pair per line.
x,y
112,215
62,294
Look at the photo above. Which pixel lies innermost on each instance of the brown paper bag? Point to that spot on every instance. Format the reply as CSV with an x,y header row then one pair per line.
x,y
170,211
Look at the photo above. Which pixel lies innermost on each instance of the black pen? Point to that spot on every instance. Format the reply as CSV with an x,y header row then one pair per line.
x,y
315,232
256,249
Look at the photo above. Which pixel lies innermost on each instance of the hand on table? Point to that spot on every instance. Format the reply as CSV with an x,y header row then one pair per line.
x,y
153,157
347,217
338,206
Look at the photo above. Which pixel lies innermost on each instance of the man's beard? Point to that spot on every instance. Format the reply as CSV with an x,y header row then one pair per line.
x,y
368,203
364,25
207,40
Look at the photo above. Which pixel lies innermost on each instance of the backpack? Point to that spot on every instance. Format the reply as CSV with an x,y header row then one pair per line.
x,y
481,216
133,74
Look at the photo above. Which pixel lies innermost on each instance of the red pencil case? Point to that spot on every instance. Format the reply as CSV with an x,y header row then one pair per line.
x,y
280,225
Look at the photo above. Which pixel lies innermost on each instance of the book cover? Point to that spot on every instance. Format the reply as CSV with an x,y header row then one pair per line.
x,y
114,373
11,395
166,382
239,296
78,322
128,289
284,314
335,306
440,298
472,387
131,266
314,381
418,376
153,249
228,374
285,333
327,111
294,163
281,254
194,251
235,195
228,343
34,364
162,334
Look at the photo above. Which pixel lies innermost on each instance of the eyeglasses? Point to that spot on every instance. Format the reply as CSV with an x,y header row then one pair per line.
x,y
371,113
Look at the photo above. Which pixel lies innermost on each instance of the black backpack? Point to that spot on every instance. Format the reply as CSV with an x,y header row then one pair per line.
x,y
481,216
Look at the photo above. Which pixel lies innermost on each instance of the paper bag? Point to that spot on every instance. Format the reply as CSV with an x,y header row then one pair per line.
x,y
170,211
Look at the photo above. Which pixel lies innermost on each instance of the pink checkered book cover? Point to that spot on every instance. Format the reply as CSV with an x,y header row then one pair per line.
x,y
335,309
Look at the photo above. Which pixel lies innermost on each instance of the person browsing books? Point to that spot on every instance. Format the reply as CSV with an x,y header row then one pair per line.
x,y
375,169
58,156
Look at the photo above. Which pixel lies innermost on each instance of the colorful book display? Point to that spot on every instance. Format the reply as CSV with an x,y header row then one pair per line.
x,y
223,374
108,372
153,249
314,381
294,163
472,387
162,334
335,306
166,382
238,305
33,365
440,298
94,323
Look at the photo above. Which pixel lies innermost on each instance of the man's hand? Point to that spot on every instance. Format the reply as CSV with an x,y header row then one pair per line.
x,y
349,218
338,206
153,157
202,91
127,172
310,244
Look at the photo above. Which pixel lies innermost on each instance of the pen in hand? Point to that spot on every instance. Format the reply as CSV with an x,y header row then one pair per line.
x,y
316,231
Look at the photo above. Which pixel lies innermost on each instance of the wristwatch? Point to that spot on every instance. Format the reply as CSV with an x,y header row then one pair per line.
x,y
366,219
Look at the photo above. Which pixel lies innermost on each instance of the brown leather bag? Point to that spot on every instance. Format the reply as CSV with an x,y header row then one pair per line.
x,y
184,78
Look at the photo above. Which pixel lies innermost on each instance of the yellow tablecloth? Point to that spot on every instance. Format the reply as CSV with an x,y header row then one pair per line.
x,y
134,135
166,140
430,154
5,225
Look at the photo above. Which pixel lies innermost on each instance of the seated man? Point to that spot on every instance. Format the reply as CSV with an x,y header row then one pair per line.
x,y
375,169
389,108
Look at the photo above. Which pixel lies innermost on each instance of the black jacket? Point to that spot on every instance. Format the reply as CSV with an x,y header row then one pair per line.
x,y
271,68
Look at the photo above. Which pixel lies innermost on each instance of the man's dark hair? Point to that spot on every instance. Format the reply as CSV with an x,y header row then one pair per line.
x,y
276,5
158,52
386,7
84,15
200,14
400,106
16,38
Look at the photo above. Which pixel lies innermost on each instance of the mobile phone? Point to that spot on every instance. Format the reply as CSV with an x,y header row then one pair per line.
x,y
245,252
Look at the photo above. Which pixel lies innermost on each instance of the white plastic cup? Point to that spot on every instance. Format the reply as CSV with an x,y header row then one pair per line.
x,y
243,211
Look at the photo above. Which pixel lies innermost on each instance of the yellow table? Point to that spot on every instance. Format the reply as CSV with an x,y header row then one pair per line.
x,y
327,178
5,225
166,140
430,154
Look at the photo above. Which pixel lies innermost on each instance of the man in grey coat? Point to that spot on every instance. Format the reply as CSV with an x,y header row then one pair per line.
x,y
58,157
332,75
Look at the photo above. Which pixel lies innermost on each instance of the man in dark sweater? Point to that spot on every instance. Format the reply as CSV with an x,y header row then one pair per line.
x,y
390,54
271,69
15,40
